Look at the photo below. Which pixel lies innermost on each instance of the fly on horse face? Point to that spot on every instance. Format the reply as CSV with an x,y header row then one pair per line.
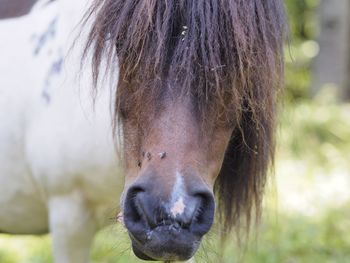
x,y
193,113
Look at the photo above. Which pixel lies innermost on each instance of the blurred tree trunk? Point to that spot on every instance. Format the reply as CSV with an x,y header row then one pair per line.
x,y
346,92
332,65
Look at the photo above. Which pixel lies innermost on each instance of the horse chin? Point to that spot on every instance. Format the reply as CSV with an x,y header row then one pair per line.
x,y
138,253
163,246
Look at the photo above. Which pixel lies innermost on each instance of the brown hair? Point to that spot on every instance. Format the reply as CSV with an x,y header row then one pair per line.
x,y
224,54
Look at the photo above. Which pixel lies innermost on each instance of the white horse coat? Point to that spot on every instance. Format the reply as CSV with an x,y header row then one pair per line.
x,y
58,167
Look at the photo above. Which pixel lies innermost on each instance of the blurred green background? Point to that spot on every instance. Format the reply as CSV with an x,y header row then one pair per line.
x,y
307,206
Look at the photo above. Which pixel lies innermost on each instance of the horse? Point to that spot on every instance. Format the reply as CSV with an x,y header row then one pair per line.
x,y
183,127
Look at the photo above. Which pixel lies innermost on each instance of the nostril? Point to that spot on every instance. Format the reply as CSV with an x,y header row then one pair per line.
x,y
140,208
204,214
203,205
131,209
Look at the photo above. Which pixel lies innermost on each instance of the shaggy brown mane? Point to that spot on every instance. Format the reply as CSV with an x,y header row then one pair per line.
x,y
224,54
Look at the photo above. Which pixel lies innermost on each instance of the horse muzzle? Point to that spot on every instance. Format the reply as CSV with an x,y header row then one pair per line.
x,y
167,228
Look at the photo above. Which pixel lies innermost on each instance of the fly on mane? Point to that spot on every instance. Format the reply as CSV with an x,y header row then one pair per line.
x,y
226,55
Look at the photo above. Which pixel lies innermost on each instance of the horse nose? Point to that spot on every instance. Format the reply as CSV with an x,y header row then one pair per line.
x,y
167,226
145,209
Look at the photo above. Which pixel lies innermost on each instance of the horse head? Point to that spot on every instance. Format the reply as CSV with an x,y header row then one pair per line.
x,y
169,201
194,108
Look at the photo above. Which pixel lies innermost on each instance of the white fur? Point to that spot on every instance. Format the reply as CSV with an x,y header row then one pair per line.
x,y
177,196
178,207
58,167
178,189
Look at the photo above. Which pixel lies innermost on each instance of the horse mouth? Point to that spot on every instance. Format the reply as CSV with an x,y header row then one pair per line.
x,y
165,243
165,229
